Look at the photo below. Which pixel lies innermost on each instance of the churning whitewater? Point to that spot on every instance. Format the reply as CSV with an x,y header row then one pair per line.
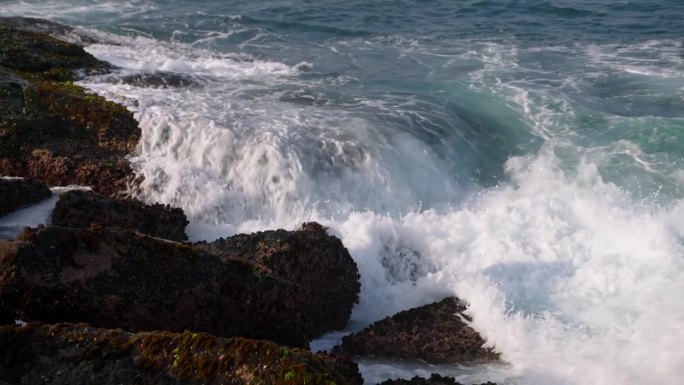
x,y
524,157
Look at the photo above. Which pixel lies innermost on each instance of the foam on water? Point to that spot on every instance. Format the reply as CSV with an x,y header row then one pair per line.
x,y
570,273
567,275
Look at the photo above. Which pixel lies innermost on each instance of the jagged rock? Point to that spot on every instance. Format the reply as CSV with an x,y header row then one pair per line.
x,y
30,24
318,263
158,80
25,47
433,333
52,130
78,354
110,277
19,193
84,208
435,379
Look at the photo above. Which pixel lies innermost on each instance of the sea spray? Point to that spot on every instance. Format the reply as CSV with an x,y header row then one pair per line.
x,y
526,158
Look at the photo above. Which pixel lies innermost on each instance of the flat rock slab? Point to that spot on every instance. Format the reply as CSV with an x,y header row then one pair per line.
x,y
85,209
79,354
16,194
433,333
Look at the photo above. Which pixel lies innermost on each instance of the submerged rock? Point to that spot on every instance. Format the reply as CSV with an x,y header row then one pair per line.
x,y
432,333
85,208
115,278
435,379
317,263
159,80
52,130
79,354
18,193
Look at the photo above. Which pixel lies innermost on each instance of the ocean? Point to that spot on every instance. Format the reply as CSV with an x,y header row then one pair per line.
x,y
526,156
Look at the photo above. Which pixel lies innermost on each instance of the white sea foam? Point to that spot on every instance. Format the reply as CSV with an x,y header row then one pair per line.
x,y
571,279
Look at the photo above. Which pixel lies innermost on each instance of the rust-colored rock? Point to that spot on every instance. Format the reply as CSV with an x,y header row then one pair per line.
x,y
79,354
432,333
85,209
318,263
18,193
114,278
50,129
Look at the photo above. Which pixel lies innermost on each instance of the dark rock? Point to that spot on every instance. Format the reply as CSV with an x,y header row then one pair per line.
x,y
79,354
28,49
317,263
158,80
435,379
19,193
114,278
30,24
6,316
85,208
52,130
433,333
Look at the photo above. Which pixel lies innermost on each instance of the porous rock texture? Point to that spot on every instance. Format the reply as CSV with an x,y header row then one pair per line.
x,y
435,379
52,130
18,193
80,208
116,278
434,333
317,263
67,354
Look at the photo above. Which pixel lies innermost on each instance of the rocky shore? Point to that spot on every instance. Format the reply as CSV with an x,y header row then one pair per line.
x,y
436,333
112,291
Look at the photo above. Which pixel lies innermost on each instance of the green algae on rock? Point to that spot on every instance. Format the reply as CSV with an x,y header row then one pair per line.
x,y
52,130
110,277
434,333
78,353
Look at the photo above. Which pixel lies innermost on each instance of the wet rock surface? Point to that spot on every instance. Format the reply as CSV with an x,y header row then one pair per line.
x,y
433,333
50,129
19,193
435,379
159,80
79,354
115,278
317,263
85,209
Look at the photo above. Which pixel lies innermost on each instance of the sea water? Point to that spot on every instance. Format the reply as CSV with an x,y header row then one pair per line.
x,y
526,156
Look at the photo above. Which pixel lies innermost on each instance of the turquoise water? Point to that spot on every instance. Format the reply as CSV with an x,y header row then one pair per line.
x,y
526,156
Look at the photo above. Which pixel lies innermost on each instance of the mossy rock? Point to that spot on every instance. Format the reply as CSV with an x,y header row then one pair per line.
x,y
78,353
28,51
110,277
436,333
52,130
